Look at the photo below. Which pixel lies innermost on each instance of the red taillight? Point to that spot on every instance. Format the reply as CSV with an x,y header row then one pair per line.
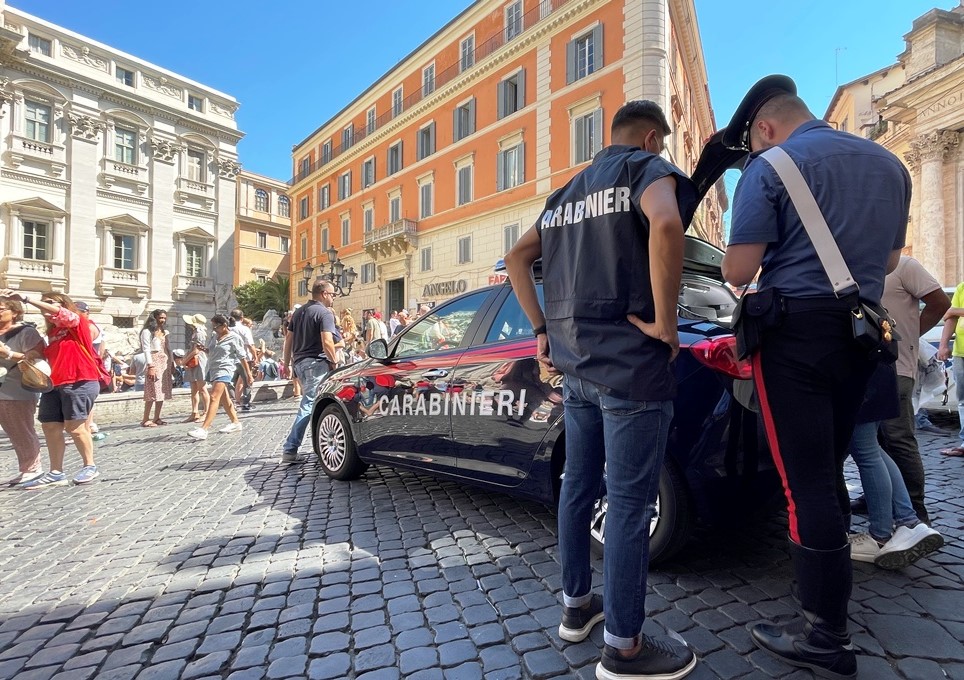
x,y
720,354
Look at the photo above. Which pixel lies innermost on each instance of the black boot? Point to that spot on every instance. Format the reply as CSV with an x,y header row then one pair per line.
x,y
819,640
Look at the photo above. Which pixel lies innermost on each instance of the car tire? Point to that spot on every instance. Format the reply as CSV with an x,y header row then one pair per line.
x,y
672,523
335,446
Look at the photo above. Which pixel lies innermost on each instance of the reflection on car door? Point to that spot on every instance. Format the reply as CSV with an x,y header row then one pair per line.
x,y
409,420
516,399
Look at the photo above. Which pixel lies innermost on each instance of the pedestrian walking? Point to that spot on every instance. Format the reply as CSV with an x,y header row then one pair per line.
x,y
611,278
242,379
809,372
310,351
159,382
226,354
18,407
954,328
75,371
195,363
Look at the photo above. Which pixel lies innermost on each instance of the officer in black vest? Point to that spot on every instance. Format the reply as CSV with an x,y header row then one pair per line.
x,y
611,243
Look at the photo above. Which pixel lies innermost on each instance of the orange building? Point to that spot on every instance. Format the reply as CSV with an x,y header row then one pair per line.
x,y
429,176
262,233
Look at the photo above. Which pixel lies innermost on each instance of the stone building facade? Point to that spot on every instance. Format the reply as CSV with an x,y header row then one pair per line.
x,y
915,108
263,229
428,177
117,177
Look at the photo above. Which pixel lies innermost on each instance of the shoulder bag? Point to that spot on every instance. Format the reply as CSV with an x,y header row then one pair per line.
x,y
35,376
873,328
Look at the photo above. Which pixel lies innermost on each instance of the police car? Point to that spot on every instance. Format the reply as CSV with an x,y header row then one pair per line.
x,y
458,394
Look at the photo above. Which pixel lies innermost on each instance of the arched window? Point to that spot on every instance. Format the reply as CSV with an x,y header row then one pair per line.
x,y
284,207
261,200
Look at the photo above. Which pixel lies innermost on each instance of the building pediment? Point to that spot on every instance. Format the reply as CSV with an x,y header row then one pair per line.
x,y
36,206
125,221
196,233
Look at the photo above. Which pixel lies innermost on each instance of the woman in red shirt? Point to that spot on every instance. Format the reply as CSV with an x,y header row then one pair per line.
x,y
75,374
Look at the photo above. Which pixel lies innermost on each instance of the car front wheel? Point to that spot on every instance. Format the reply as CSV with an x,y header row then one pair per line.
x,y
671,523
335,446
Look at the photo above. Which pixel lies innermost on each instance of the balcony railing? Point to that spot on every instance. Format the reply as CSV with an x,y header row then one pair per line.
x,y
403,227
110,279
53,157
193,287
442,78
17,272
115,171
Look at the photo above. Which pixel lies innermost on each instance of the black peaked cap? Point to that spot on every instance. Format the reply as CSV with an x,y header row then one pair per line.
x,y
736,133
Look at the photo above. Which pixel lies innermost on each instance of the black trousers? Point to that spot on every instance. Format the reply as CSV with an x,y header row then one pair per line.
x,y
811,378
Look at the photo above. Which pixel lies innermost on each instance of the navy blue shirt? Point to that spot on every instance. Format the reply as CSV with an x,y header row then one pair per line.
x,y
307,324
863,191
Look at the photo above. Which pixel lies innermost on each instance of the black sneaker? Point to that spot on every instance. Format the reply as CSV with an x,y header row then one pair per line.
x,y
659,659
858,506
577,622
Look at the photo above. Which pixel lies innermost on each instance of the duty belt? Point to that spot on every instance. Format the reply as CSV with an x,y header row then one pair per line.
x,y
820,304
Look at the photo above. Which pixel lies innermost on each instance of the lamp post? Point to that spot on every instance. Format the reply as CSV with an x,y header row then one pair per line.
x,y
342,279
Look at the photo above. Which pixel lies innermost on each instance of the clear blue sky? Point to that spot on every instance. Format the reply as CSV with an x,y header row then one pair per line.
x,y
292,64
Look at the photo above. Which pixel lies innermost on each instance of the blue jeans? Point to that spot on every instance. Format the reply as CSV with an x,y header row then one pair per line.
x,y
888,502
629,438
310,372
959,379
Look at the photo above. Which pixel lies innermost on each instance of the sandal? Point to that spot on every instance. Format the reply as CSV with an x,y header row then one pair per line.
x,y
193,418
956,451
148,423
160,422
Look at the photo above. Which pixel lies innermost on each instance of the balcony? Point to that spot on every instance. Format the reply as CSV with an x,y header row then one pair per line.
x,y
193,288
114,172
201,193
20,273
51,158
394,238
111,281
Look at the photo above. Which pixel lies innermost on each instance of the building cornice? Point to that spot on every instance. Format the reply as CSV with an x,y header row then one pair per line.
x,y
124,198
683,19
40,180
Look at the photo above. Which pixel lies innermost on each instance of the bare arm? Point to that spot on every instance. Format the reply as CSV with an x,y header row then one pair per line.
x,y
741,262
944,349
328,344
518,265
954,312
936,304
893,260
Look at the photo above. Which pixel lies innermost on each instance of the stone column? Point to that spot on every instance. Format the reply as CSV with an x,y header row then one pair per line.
x,y
930,150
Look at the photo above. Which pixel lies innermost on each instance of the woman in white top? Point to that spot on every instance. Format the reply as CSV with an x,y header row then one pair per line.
x,y
159,381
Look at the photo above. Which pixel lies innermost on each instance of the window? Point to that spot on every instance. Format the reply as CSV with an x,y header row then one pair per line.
x,y
510,234
304,246
344,186
324,197
284,206
425,200
545,7
305,166
36,240
345,230
587,136
262,278
324,239
463,124
512,94
302,287
370,121
124,251
397,102
467,50
37,121
195,103
194,260
347,138
511,167
425,255
304,208
369,218
261,200
125,146
511,323
124,77
465,249
394,208
395,157
442,328
38,45
195,165
263,240
368,272
284,244
584,55
426,141
513,20
368,173
428,80
464,181
326,151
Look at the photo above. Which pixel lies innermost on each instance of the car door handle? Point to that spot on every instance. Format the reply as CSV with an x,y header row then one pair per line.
x,y
435,373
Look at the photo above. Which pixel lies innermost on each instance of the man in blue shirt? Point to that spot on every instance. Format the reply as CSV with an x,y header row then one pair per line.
x,y
809,373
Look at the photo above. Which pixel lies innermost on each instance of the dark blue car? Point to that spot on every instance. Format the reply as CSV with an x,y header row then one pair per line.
x,y
459,394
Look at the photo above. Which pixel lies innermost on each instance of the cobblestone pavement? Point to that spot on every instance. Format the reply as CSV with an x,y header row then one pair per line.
x,y
209,560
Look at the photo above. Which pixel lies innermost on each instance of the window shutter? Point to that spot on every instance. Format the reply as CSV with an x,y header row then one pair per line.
x,y
578,139
431,138
456,130
570,62
501,100
471,108
597,127
500,171
597,48
520,93
520,159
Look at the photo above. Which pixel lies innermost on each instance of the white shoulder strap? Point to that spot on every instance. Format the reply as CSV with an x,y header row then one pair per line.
x,y
813,221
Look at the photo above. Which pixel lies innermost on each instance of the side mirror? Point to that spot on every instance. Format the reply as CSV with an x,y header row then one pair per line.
x,y
377,349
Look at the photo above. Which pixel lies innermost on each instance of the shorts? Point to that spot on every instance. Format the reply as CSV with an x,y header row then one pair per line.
x,y
72,401
226,379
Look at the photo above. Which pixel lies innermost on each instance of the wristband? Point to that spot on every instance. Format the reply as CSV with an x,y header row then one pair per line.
x,y
539,330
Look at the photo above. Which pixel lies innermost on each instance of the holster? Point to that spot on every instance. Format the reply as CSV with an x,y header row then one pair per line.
x,y
756,313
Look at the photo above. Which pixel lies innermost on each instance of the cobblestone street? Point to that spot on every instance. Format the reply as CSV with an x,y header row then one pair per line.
x,y
210,560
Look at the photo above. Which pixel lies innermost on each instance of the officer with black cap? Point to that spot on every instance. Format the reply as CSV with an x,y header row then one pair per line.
x,y
809,373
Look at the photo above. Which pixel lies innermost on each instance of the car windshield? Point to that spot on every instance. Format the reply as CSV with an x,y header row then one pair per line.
x,y
440,330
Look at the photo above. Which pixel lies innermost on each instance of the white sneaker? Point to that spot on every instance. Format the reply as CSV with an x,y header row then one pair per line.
x,y
231,427
863,547
198,433
908,545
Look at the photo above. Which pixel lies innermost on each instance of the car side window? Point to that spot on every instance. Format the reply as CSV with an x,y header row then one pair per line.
x,y
440,329
511,323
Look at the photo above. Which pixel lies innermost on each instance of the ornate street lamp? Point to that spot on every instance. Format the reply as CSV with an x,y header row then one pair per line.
x,y
340,278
